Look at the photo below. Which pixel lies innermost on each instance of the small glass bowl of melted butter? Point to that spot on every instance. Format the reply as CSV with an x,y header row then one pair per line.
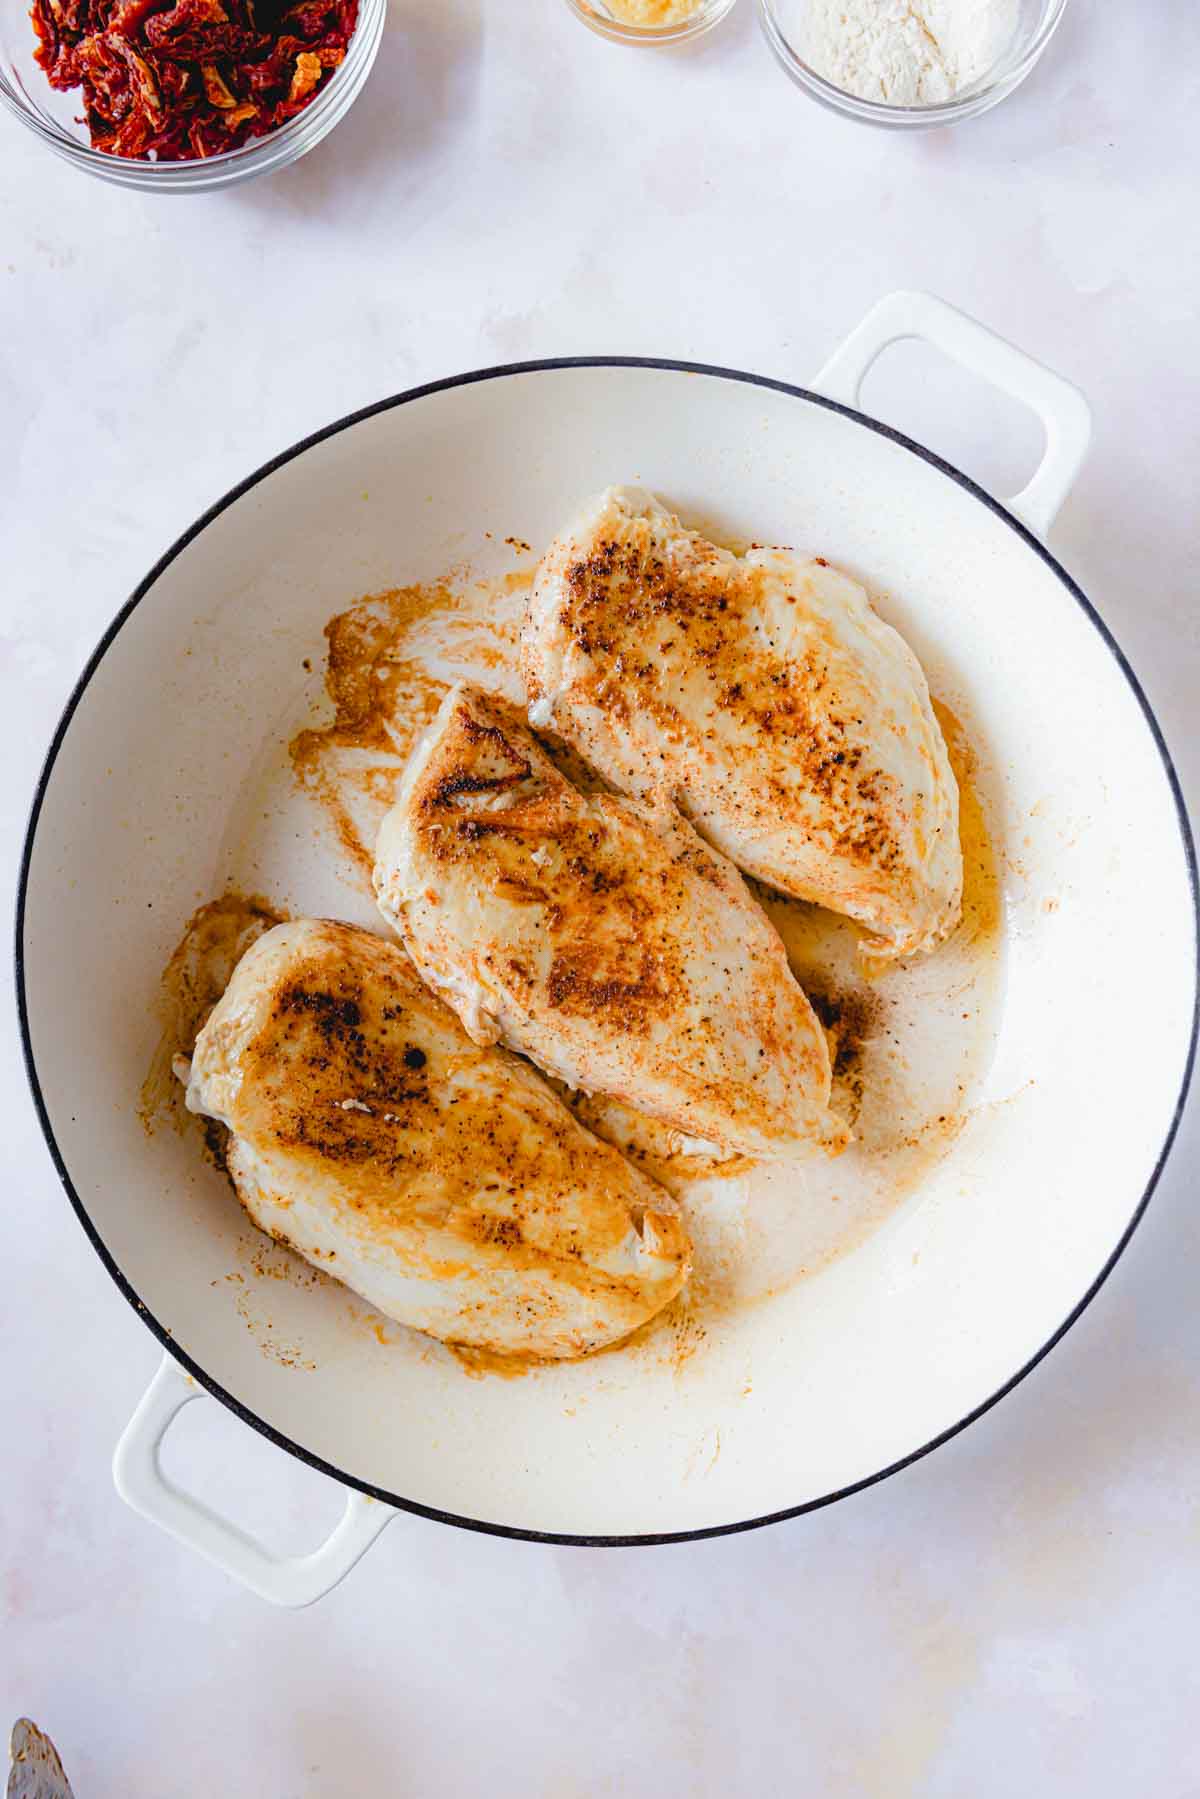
x,y
651,21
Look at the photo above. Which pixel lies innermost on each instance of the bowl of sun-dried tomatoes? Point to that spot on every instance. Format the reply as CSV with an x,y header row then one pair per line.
x,y
184,94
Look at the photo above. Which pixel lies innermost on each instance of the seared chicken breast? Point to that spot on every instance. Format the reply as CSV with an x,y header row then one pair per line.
x,y
443,1181
793,727
600,937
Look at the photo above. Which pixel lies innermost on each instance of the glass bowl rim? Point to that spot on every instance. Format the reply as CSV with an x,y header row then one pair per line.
x,y
1008,73
708,13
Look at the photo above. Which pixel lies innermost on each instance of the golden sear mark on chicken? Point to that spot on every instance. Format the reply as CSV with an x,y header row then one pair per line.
x,y
614,956
442,1180
793,726
323,1033
345,1070
628,599
600,936
496,767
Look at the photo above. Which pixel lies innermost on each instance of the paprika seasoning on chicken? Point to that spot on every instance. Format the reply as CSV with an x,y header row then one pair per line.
x,y
172,82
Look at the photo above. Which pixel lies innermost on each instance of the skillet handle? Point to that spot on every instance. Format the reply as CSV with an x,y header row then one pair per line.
x,y
1062,409
283,1580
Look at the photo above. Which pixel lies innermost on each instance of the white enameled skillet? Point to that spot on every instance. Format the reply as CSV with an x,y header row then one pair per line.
x,y
152,794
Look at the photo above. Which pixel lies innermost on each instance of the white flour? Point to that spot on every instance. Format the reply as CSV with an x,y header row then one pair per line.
x,y
905,52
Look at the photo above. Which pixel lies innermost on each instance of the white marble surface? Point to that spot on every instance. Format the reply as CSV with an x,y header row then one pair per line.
x,y
1015,1614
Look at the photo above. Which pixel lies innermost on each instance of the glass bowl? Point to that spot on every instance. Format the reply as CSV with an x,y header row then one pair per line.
x,y
604,16
783,23
25,92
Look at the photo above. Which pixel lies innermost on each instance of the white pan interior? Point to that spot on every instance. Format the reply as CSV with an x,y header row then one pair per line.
x,y
153,801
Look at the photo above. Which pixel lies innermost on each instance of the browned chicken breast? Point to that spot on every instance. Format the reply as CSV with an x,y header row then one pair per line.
x,y
599,936
444,1182
792,726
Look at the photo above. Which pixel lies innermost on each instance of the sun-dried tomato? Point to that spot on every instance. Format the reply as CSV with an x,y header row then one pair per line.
x,y
175,79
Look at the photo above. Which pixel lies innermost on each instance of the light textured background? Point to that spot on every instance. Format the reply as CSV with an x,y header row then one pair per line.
x,y
1017,1613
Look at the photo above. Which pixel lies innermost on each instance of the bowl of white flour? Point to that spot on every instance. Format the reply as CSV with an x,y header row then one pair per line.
x,y
910,64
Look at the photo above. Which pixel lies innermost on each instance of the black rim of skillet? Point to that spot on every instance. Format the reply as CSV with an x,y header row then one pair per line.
x,y
490,374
